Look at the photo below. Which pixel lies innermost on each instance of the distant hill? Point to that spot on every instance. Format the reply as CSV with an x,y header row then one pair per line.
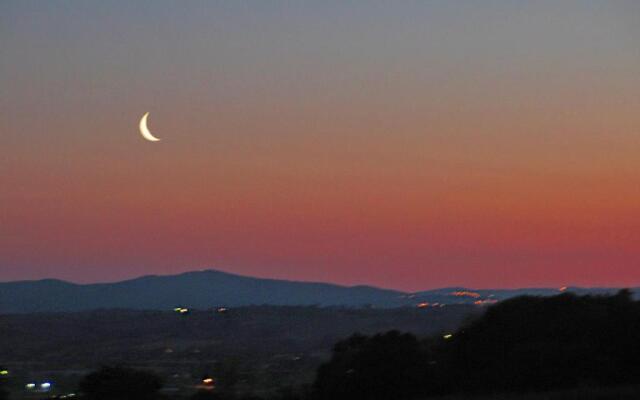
x,y
202,290
210,288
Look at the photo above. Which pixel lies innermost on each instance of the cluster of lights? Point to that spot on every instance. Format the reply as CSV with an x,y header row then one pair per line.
x,y
426,304
184,310
466,293
43,387
4,372
485,302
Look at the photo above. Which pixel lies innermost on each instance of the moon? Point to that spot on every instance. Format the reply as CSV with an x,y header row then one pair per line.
x,y
145,131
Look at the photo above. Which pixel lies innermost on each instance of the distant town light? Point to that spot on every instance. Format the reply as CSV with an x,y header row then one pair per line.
x,y
466,293
207,381
447,336
30,385
4,372
485,302
45,385
423,305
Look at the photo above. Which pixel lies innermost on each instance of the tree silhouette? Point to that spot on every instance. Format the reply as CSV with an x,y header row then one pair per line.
x,y
539,343
384,366
522,344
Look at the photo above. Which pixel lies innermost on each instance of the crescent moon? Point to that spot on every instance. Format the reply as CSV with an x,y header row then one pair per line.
x,y
145,131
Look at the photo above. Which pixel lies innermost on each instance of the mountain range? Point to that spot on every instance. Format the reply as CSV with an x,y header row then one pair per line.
x,y
211,289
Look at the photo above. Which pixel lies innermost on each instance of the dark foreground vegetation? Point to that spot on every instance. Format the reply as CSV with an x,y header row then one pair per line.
x,y
562,347
522,345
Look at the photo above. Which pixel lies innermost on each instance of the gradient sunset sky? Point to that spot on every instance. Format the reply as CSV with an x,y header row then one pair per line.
x,y
408,145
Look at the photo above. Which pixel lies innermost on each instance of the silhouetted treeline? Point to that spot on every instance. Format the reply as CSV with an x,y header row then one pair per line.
x,y
387,366
523,344
555,342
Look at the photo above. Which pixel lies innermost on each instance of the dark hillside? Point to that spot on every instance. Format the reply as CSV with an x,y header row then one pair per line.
x,y
521,345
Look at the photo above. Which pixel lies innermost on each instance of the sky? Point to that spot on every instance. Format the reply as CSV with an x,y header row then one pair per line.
x,y
408,145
